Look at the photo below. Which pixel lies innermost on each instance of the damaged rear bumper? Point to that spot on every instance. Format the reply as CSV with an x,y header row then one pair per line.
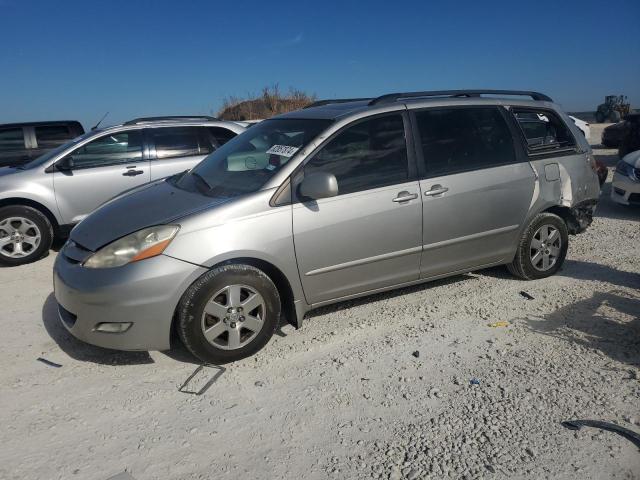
x,y
581,216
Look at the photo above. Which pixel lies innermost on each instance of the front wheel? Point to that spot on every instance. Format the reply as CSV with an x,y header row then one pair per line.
x,y
25,235
229,313
542,248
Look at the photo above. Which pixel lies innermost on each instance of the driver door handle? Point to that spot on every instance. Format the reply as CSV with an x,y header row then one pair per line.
x,y
405,196
436,190
132,172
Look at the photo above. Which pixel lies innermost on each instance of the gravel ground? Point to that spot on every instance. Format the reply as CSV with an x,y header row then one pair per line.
x,y
410,384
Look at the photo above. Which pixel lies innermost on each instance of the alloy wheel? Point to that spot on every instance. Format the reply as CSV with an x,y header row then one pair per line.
x,y
19,237
545,248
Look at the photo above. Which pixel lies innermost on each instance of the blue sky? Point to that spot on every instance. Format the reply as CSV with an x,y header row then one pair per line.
x,y
70,59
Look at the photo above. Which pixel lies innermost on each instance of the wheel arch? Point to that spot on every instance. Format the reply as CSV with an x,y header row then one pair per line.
x,y
287,298
19,201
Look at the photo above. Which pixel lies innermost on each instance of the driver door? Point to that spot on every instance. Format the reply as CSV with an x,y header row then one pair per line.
x,y
102,168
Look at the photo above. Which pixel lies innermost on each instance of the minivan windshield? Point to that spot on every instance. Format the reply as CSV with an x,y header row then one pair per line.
x,y
42,159
247,162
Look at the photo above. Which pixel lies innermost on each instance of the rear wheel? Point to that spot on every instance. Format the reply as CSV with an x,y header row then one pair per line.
x,y
614,116
229,313
25,235
599,117
542,248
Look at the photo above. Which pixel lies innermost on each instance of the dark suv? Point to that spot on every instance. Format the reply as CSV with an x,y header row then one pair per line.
x,y
22,142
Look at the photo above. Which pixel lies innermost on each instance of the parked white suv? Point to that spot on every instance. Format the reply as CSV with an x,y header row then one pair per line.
x,y
46,197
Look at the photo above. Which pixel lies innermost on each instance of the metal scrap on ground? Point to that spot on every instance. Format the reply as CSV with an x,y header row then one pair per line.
x,y
199,376
48,362
526,295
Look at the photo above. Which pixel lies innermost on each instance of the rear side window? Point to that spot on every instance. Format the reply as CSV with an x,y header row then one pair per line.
x,y
462,139
11,139
114,148
172,142
367,155
51,136
221,135
543,130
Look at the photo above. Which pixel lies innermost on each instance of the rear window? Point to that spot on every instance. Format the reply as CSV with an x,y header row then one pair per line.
x,y
462,139
52,136
11,139
543,130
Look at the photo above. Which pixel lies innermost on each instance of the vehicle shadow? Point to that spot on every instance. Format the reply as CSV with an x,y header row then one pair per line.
x,y
582,270
81,351
608,322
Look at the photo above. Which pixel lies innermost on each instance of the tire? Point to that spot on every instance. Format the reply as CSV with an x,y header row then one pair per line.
x,y
523,265
26,229
599,117
233,334
614,116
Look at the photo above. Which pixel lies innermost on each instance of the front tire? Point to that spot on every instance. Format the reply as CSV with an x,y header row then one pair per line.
x,y
542,248
229,313
25,235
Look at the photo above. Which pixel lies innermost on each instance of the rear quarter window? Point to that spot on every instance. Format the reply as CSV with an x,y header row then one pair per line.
x,y
11,139
543,130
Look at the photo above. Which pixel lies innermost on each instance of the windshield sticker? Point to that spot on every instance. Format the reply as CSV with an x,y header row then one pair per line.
x,y
283,150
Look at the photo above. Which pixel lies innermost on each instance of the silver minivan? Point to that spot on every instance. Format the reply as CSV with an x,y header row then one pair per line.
x,y
47,196
342,199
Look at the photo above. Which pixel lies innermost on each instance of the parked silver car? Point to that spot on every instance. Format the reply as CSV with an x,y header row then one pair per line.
x,y
328,203
44,198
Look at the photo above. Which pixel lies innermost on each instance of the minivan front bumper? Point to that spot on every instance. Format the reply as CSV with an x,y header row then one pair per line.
x,y
143,293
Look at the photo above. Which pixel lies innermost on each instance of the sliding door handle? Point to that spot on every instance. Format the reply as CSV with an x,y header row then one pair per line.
x,y
436,190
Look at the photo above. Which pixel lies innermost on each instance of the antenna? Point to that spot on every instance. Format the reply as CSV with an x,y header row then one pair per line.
x,y
100,121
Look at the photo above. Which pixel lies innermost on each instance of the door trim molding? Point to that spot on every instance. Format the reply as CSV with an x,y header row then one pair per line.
x,y
474,236
364,261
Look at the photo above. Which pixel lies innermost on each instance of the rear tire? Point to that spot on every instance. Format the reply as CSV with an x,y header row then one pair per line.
x,y
599,117
542,248
614,116
229,313
26,235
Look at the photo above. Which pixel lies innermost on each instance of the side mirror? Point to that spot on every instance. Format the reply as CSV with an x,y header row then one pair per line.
x,y
319,185
65,164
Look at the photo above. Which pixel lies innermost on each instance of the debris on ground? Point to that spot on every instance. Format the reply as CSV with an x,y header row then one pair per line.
x,y
201,379
416,354
48,362
122,476
474,381
526,295
499,324
611,427
259,383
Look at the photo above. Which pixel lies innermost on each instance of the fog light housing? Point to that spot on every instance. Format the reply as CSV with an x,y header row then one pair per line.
x,y
113,327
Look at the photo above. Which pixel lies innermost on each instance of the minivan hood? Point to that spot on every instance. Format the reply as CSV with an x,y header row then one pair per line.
x,y
4,171
157,203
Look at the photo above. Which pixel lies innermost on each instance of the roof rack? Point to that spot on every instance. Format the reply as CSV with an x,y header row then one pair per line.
x,y
393,97
170,118
320,103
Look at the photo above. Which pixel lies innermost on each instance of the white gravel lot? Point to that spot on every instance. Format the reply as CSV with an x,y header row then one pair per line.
x,y
344,397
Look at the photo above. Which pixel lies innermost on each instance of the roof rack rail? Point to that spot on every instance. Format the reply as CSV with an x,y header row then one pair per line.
x,y
169,118
393,97
320,103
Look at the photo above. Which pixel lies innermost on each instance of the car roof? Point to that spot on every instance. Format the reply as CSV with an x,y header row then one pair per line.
x,y
39,123
340,108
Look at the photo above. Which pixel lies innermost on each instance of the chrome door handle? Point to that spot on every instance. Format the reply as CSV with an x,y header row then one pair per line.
x,y
132,173
405,197
436,190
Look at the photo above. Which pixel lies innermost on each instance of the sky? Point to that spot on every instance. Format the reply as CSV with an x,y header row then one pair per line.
x,y
79,59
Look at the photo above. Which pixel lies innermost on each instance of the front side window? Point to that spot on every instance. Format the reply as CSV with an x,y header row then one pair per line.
x,y
51,136
172,142
367,155
543,130
111,149
246,162
461,139
11,139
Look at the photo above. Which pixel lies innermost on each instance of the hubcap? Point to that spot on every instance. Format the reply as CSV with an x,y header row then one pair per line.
x,y
233,317
545,247
19,237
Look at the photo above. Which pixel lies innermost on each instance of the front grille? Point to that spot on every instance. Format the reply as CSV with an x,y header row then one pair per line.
x,y
67,317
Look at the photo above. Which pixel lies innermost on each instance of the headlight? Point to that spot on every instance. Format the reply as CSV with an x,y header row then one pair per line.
x,y
142,244
623,168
